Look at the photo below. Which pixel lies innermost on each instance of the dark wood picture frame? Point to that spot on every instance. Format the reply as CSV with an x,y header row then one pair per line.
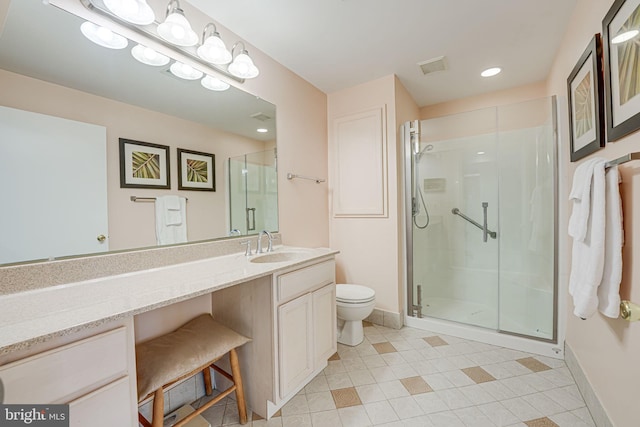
x,y
623,97
584,85
144,165
196,170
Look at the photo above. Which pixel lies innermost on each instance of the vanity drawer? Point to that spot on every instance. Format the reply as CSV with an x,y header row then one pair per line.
x,y
306,279
67,372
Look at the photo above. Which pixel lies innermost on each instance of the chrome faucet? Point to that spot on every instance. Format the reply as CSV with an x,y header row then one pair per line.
x,y
269,247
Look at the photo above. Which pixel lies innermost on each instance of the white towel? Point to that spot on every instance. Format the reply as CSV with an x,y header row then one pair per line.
x,y
171,223
587,259
581,197
609,290
172,210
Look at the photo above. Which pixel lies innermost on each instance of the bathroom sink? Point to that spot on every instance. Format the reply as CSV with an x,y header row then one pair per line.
x,y
278,257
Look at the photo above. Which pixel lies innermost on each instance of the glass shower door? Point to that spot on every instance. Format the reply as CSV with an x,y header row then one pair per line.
x,y
455,219
253,192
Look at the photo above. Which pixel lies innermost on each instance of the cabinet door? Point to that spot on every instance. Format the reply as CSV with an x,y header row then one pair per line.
x,y
106,407
295,326
324,324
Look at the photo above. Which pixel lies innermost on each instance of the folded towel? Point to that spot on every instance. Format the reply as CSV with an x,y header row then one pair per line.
x,y
172,210
171,224
609,290
587,258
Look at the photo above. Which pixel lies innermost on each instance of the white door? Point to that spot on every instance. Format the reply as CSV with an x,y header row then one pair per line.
x,y
53,187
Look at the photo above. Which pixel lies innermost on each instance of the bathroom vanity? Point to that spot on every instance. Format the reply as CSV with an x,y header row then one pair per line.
x,y
75,343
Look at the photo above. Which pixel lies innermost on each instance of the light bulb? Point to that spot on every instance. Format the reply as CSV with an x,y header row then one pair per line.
x,y
212,83
103,36
243,67
185,71
148,56
134,11
177,30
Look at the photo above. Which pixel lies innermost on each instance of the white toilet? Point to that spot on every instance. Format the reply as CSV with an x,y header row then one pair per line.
x,y
354,303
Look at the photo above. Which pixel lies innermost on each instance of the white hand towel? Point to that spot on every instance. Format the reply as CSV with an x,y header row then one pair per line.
x,y
609,290
587,259
581,197
171,230
172,210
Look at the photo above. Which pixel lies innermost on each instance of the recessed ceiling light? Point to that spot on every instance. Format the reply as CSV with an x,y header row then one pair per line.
x,y
623,37
262,130
490,72
480,152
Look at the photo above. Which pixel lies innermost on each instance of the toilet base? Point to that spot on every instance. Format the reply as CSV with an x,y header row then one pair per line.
x,y
351,333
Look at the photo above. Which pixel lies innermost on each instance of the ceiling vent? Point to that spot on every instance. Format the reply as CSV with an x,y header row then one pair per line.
x,y
433,65
260,116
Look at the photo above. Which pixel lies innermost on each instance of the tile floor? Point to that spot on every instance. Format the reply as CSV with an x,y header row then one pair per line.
x,y
410,377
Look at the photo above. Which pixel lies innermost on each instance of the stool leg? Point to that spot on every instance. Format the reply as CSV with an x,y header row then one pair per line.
x,y
206,373
158,408
237,379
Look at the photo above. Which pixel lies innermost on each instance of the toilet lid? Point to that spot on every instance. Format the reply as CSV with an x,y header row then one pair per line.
x,y
354,293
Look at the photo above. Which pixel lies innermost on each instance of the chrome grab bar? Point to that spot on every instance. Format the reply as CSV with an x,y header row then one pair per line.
x,y
485,230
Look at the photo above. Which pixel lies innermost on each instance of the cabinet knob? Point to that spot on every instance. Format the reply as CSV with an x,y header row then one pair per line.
x,y
101,238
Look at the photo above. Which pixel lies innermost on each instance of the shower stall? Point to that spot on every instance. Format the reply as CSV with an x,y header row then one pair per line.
x,y
253,192
480,225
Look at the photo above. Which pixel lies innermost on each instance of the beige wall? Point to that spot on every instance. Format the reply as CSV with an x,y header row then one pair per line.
x,y
492,99
607,349
374,241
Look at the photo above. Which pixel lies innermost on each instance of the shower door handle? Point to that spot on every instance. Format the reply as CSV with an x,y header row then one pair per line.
x,y
485,230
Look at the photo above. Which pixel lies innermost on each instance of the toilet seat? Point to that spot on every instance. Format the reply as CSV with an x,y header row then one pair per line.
x,y
354,294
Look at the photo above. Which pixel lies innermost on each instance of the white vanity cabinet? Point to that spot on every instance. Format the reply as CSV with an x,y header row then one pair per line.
x,y
291,319
93,375
306,319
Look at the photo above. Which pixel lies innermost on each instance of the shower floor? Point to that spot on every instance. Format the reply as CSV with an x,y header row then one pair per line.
x,y
472,313
462,311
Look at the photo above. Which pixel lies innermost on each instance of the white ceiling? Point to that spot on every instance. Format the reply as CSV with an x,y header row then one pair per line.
x,y
336,44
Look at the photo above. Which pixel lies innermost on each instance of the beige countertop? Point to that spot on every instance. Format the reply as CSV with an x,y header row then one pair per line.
x,y
37,315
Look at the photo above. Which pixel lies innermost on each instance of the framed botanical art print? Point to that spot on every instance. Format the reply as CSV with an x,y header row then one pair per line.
x,y
621,40
196,170
585,102
144,165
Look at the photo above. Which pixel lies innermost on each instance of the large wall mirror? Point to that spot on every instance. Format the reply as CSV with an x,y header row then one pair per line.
x,y
60,89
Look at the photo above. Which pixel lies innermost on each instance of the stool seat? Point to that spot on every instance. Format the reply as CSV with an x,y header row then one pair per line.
x,y
188,350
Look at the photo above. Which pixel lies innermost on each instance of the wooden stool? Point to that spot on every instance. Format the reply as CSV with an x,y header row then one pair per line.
x,y
192,348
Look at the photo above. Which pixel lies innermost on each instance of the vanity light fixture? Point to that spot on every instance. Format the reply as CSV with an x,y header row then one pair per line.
x,y
176,29
242,65
185,71
489,72
213,49
148,56
211,83
103,36
134,11
623,37
176,34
